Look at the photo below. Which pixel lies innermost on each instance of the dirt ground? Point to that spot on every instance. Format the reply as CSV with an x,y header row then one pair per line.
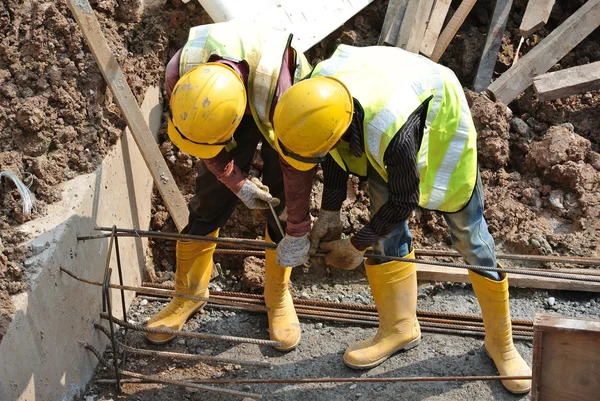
x,y
539,164
57,118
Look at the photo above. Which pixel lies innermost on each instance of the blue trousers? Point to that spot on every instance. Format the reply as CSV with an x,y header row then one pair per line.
x,y
468,229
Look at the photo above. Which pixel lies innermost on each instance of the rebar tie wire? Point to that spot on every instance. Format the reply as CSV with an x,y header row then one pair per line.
x,y
233,242
154,379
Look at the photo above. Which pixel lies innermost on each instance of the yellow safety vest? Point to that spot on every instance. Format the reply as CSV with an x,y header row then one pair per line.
x,y
260,46
390,84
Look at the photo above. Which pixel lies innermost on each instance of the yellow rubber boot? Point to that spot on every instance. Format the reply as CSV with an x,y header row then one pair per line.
x,y
394,288
194,266
283,321
493,299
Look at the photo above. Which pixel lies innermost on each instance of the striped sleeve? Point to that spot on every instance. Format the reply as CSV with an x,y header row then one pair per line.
x,y
403,181
335,181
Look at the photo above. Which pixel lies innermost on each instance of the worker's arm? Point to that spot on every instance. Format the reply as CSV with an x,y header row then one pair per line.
x,y
292,250
400,159
172,73
328,226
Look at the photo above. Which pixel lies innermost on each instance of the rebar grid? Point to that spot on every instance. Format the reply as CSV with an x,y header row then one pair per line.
x,y
154,379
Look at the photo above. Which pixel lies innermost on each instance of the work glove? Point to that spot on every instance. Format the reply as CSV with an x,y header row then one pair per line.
x,y
327,227
256,195
342,254
292,251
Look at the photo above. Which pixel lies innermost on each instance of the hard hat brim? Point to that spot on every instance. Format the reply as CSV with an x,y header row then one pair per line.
x,y
298,165
200,151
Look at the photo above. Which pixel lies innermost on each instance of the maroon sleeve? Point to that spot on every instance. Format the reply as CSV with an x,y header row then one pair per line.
x,y
297,196
172,73
225,169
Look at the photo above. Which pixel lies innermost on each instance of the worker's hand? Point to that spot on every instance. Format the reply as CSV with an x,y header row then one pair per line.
x,y
342,254
292,251
327,227
256,195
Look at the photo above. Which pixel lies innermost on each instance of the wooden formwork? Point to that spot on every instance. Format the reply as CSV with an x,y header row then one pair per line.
x,y
566,359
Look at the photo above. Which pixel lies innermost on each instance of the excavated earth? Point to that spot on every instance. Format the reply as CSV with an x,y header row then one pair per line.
x,y
539,164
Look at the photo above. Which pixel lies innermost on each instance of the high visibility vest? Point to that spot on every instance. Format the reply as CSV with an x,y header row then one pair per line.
x,y
390,84
260,46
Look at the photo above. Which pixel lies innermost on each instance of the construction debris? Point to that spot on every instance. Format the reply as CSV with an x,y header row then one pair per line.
x,y
543,56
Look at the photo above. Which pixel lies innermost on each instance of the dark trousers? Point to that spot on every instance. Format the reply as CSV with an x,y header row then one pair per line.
x,y
213,203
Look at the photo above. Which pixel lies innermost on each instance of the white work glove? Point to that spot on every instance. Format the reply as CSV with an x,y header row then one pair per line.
x,y
256,195
327,227
342,254
292,251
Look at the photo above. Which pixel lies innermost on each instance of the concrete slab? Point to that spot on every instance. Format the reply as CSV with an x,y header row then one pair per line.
x,y
40,357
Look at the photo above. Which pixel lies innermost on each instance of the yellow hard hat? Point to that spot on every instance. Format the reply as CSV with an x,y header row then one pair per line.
x,y
207,105
309,120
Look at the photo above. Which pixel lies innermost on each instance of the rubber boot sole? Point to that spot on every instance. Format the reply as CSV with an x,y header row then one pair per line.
x,y
198,309
405,347
507,389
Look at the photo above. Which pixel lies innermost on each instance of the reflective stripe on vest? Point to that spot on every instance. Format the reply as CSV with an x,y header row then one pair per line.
x,y
260,46
389,96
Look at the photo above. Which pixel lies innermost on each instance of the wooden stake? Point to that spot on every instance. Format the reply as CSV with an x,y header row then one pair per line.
x,y
453,26
438,16
536,16
113,75
543,56
571,81
413,25
487,64
392,22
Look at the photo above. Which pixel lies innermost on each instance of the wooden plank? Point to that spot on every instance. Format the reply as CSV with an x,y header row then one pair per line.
x,y
567,360
536,16
441,273
543,56
453,26
407,23
419,26
392,22
536,363
113,75
567,82
434,27
487,63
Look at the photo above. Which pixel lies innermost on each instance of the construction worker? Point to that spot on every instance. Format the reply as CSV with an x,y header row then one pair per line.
x,y
223,85
402,121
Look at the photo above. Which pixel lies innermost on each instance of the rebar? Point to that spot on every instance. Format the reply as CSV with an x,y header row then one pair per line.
x,y
344,380
178,355
263,245
426,328
192,334
154,379
342,305
150,290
